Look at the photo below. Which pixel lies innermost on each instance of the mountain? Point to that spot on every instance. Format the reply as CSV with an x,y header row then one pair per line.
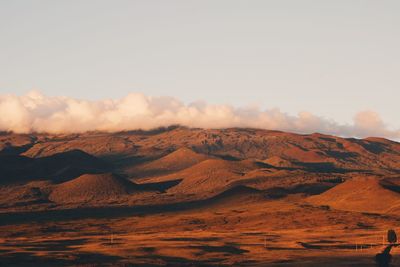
x,y
198,163
126,149
207,197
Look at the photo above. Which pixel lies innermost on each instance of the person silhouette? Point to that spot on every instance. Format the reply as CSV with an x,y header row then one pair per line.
x,y
391,236
384,258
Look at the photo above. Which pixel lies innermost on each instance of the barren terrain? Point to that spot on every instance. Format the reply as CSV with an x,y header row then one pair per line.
x,y
194,197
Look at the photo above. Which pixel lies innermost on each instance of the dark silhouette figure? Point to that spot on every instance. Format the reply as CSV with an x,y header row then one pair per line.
x,y
392,237
384,258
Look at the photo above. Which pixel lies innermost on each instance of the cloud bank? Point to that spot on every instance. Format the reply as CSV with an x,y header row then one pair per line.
x,y
35,112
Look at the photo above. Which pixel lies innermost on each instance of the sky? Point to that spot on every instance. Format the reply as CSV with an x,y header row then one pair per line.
x,y
333,60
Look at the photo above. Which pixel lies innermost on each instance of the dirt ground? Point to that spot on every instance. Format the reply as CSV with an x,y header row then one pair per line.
x,y
242,231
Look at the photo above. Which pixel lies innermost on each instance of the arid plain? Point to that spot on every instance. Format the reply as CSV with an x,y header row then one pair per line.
x,y
192,197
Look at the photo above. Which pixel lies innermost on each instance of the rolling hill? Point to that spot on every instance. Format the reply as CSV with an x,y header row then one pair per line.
x,y
197,163
126,149
91,188
361,194
180,159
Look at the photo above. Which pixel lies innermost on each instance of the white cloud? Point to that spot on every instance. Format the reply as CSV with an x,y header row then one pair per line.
x,y
35,112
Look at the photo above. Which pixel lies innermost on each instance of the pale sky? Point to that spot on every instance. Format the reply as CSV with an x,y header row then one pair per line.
x,y
331,58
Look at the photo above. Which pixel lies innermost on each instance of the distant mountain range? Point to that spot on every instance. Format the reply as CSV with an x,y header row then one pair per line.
x,y
178,164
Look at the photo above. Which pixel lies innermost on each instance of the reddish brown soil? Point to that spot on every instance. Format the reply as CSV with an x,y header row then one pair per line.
x,y
190,197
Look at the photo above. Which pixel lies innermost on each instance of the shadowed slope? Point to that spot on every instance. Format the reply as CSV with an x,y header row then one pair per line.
x,y
13,144
237,195
277,161
391,184
58,167
35,192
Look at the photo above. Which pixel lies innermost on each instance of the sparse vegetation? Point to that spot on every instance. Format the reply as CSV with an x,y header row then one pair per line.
x,y
185,196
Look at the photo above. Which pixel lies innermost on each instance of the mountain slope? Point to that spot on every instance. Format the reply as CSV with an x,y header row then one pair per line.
x,y
130,148
360,194
180,159
57,167
209,176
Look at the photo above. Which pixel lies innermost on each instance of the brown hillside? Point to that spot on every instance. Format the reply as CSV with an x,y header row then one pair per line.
x,y
277,161
360,194
126,149
92,187
209,176
180,159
